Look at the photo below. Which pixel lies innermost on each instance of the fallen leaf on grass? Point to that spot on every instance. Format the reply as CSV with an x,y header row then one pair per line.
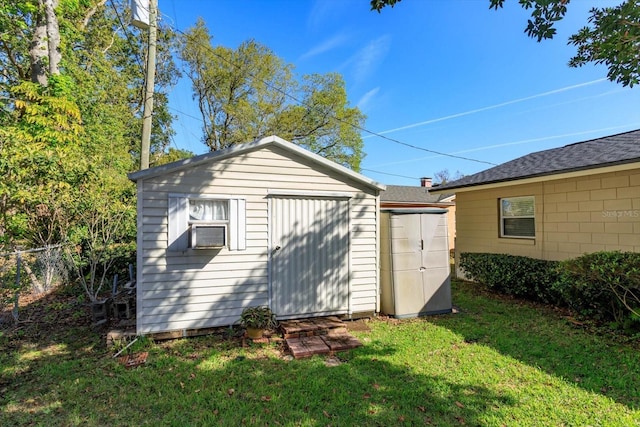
x,y
366,396
459,405
326,414
230,391
376,386
266,398
181,385
422,409
401,418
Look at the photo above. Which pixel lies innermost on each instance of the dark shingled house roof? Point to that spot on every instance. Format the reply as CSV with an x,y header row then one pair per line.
x,y
411,194
595,153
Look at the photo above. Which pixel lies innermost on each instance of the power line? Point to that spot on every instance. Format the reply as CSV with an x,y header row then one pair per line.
x,y
364,169
185,114
425,149
390,174
360,128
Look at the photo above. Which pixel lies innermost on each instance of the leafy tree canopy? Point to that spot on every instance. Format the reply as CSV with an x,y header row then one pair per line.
x,y
172,155
611,36
70,133
248,93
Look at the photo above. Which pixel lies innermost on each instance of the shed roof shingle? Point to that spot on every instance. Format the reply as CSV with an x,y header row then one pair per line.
x,y
595,153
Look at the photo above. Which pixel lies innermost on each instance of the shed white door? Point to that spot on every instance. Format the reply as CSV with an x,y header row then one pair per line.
x,y
309,256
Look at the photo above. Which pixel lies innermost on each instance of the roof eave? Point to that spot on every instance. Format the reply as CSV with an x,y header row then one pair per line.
x,y
250,146
396,202
566,173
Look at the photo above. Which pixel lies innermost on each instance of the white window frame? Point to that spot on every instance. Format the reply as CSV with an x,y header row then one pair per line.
x,y
215,222
180,221
503,217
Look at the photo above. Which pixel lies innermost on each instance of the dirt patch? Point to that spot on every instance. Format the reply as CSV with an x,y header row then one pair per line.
x,y
47,315
357,325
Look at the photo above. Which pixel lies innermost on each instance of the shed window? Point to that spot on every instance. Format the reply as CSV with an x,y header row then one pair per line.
x,y
517,217
208,210
186,210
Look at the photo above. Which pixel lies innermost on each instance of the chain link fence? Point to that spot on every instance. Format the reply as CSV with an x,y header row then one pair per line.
x,y
35,271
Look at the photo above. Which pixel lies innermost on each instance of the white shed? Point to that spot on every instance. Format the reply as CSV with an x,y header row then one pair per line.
x,y
266,222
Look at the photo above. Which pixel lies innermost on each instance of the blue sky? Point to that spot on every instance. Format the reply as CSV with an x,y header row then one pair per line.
x,y
449,76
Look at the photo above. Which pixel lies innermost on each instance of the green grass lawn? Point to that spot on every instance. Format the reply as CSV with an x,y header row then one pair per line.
x,y
495,363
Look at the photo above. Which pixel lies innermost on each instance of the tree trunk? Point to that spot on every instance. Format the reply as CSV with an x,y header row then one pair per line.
x,y
36,285
38,51
53,36
45,45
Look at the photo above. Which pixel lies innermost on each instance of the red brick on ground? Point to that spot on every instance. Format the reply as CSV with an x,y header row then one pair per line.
x,y
321,335
133,360
292,327
328,322
307,346
341,342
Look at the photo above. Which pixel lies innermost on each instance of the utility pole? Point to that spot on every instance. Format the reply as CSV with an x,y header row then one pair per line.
x,y
147,114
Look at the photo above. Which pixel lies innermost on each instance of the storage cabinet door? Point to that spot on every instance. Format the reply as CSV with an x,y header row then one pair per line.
x,y
435,262
420,256
406,243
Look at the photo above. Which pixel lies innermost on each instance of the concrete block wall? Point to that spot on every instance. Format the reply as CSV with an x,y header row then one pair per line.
x,y
574,216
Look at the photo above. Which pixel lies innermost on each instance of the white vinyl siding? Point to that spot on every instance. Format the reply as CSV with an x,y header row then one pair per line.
x,y
517,217
190,289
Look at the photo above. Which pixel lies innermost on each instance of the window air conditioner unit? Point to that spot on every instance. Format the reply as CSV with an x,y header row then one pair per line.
x,y
208,236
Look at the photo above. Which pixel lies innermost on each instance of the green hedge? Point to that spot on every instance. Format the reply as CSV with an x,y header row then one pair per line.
x,y
520,276
603,286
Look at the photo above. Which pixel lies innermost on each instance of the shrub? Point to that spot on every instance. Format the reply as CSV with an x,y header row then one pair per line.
x,y
604,286
259,317
519,276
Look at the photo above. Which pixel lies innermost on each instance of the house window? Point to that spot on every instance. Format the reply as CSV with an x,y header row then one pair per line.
x,y
517,217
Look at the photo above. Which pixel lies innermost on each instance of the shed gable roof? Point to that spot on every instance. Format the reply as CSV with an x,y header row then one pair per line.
x,y
251,146
411,194
595,153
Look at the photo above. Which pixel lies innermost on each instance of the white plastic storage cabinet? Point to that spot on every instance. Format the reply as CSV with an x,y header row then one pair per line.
x,y
414,262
